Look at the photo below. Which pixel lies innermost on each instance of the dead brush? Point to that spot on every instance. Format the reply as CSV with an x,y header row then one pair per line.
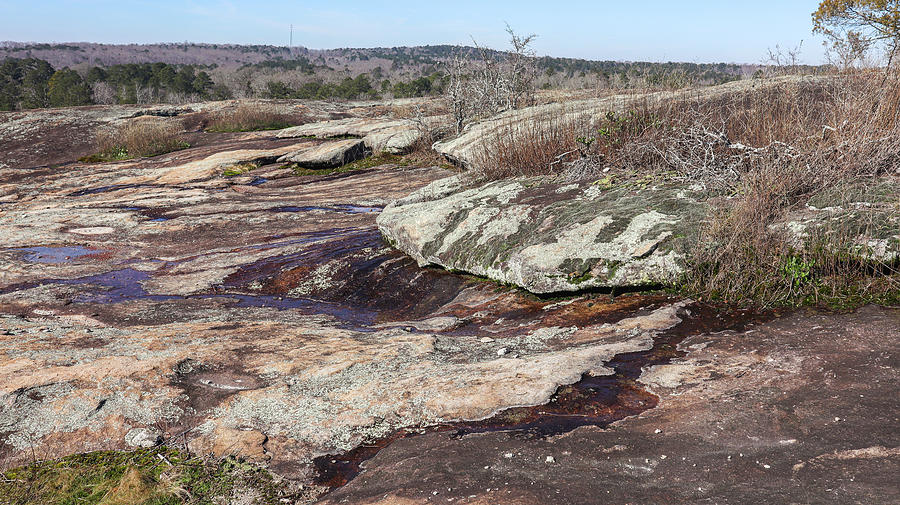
x,y
779,149
137,138
528,148
430,130
248,118
762,154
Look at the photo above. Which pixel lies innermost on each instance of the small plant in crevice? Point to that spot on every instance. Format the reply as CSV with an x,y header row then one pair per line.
x,y
796,271
239,169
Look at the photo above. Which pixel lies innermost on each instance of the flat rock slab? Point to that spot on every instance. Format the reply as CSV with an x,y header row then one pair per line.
x,y
327,155
380,135
42,137
802,409
548,237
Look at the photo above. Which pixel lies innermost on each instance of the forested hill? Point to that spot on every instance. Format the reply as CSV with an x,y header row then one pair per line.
x,y
42,75
354,60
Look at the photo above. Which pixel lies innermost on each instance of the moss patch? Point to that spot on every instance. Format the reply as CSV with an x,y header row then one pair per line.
x,y
239,169
158,476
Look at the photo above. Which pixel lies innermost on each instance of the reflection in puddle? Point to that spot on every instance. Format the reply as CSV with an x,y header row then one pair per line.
x,y
126,285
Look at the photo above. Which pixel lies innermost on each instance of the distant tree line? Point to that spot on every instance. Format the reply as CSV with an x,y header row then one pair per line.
x,y
157,82
28,83
404,72
32,83
356,88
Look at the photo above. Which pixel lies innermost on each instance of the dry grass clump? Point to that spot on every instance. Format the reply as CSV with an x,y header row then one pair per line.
x,y
528,148
772,152
763,155
247,118
136,139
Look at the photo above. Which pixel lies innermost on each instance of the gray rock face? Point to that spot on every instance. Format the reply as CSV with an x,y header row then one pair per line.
x,y
328,155
548,237
394,136
143,437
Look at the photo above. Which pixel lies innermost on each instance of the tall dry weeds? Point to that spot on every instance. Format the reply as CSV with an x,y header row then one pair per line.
x,y
138,138
249,118
763,154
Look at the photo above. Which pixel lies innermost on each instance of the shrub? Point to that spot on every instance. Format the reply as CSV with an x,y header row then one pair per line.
x,y
136,139
489,85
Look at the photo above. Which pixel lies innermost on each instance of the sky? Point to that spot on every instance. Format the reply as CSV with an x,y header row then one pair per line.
x,y
739,31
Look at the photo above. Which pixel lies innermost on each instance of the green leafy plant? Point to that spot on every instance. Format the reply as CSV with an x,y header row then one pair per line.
x,y
796,271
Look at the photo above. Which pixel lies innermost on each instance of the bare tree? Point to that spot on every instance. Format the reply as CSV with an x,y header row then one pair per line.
x,y
492,83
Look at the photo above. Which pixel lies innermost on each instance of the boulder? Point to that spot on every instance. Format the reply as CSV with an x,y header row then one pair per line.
x,y
327,155
548,237
394,136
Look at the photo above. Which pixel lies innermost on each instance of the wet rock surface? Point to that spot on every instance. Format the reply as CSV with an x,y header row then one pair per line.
x,y
260,315
801,409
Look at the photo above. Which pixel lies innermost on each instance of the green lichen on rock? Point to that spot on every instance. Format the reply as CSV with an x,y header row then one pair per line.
x,y
533,234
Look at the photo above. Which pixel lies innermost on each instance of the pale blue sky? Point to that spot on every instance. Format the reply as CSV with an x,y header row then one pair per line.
x,y
690,30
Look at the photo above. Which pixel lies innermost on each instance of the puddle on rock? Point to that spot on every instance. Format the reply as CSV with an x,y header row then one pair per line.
x,y
343,208
59,254
594,401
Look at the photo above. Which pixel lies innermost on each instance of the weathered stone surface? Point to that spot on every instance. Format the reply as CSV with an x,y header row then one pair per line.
x,y
267,321
211,166
328,154
388,135
44,137
143,437
548,237
262,316
798,410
